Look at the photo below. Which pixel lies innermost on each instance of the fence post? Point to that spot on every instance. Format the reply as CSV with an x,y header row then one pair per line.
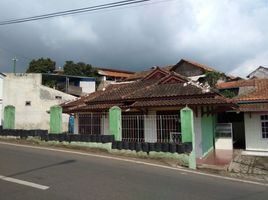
x,y
9,117
187,130
55,119
115,122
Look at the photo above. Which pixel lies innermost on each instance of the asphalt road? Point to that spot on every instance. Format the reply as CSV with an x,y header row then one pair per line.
x,y
72,177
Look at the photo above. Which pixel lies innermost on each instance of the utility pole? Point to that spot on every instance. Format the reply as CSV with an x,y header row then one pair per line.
x,y
14,64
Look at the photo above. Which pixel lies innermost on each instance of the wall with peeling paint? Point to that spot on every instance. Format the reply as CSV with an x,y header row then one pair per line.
x,y
32,100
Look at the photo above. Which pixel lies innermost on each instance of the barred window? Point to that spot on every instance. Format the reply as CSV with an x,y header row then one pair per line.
x,y
264,126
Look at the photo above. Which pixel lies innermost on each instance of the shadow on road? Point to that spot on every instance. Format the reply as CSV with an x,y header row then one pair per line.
x,y
43,167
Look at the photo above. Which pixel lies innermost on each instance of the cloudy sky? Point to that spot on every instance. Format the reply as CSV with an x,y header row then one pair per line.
x,y
229,35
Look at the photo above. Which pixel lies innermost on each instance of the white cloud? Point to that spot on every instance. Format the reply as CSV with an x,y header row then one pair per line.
x,y
225,34
66,29
251,64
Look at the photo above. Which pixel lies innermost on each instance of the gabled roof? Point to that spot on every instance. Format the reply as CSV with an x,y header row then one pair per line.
x,y
149,93
258,69
259,91
236,84
157,73
114,72
201,66
169,68
174,77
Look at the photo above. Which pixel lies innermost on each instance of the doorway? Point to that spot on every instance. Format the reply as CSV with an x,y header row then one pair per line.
x,y
238,127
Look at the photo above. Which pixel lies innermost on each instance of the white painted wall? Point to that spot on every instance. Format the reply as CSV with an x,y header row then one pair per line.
x,y
88,86
198,134
254,140
20,88
105,125
150,127
1,98
224,143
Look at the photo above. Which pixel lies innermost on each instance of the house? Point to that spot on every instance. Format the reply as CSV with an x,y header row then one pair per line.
x,y
32,100
260,73
108,76
250,120
191,69
113,74
151,109
2,76
73,85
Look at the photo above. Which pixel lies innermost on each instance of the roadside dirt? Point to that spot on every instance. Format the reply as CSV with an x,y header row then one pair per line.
x,y
245,168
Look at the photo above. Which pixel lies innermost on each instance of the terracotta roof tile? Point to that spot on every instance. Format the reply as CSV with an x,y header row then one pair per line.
x,y
253,107
114,72
258,93
204,67
146,93
179,102
236,84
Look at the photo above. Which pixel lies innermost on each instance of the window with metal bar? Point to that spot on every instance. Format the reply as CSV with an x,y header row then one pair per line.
x,y
91,123
264,126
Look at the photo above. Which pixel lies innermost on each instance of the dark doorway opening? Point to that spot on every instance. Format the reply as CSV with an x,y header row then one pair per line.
x,y
238,125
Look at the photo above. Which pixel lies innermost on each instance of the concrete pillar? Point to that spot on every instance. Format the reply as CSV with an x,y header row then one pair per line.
x,y
115,122
9,117
55,119
188,135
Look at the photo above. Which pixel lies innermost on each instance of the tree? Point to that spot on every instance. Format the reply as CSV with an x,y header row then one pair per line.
x,y
79,69
42,65
213,77
228,93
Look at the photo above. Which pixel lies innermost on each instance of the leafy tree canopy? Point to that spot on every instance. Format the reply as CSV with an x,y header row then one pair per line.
x,y
228,93
41,65
213,77
79,69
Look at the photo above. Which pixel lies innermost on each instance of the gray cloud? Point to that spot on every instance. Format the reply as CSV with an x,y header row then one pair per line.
x,y
228,35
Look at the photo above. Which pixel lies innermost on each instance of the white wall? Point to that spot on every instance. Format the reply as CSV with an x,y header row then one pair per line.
x,y
1,98
27,87
150,127
88,86
224,143
254,140
105,125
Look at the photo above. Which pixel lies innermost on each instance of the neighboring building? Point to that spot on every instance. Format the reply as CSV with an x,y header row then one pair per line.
x,y
250,121
151,109
74,85
113,74
108,76
2,76
193,70
32,100
259,73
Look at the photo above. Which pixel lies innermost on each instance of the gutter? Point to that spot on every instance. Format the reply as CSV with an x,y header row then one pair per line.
x,y
253,101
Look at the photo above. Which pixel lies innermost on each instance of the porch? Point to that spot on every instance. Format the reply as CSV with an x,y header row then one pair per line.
x,y
154,126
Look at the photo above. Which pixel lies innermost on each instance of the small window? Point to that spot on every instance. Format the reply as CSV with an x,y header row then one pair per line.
x,y
264,126
58,97
27,103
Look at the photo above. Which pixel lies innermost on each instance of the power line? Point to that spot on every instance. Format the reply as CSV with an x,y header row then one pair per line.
x,y
73,11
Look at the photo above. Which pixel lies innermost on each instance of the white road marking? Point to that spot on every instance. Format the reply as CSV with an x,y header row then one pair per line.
x,y
21,182
137,162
